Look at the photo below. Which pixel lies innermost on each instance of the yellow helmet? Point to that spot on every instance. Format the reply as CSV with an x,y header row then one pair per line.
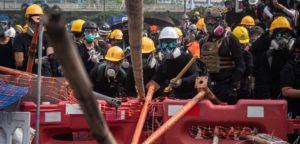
x,y
77,25
25,27
114,54
20,28
241,33
147,45
34,9
280,22
178,31
116,34
248,21
200,24
197,13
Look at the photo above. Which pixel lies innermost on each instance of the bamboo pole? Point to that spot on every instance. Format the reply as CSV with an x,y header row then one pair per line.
x,y
10,71
143,115
135,29
168,124
32,48
74,70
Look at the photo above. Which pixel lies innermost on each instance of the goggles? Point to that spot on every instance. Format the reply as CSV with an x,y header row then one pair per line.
x,y
171,45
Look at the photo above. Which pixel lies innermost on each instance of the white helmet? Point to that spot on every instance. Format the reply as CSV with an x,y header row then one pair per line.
x,y
168,33
252,2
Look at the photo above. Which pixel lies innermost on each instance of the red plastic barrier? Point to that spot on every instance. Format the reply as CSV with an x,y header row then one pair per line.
x,y
63,123
268,116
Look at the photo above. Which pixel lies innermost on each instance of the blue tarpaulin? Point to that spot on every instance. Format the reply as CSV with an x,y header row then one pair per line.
x,y
10,94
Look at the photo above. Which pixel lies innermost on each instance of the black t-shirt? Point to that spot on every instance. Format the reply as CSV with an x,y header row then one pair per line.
x,y
7,55
290,77
169,69
22,43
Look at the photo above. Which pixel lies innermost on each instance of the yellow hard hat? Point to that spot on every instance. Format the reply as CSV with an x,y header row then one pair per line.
x,y
116,34
248,21
197,13
241,33
25,27
114,54
34,9
178,31
147,45
200,24
280,22
77,25
20,28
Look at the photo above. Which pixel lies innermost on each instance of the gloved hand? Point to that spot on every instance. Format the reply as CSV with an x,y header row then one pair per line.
x,y
95,56
175,84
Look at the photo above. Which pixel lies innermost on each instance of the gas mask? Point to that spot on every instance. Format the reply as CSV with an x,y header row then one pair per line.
x,y
215,28
282,43
149,61
112,69
4,25
169,51
11,32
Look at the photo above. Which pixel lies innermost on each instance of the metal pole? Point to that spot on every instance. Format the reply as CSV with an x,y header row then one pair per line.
x,y
37,126
104,9
184,3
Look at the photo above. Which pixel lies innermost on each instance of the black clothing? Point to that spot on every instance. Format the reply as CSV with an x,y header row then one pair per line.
x,y
233,19
290,77
22,43
107,86
170,68
7,55
227,79
245,89
83,52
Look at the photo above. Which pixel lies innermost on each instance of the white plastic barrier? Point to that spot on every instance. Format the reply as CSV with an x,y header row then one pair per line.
x,y
15,128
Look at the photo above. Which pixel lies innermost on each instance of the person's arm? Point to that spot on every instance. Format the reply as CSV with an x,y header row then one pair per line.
x,y
19,58
267,12
18,51
290,92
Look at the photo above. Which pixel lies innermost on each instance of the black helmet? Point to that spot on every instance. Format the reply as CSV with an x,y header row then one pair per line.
x,y
104,26
89,25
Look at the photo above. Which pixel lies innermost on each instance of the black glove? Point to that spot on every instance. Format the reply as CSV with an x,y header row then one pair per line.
x,y
232,96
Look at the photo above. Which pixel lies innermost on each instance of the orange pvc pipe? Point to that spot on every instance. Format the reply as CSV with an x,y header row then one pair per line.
x,y
143,115
15,72
168,124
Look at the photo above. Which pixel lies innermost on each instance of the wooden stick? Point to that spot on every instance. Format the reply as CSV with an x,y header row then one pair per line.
x,y
76,74
32,48
135,27
143,115
181,73
10,71
168,124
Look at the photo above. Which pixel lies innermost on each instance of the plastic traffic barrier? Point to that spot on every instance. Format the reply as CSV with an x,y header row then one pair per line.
x,y
246,117
63,123
14,127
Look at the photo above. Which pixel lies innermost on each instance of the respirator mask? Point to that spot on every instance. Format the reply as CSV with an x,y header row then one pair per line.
x,y
169,50
112,69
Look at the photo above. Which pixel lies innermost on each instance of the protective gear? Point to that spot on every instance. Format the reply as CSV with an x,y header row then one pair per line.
x,y
200,24
19,29
210,56
168,33
89,25
185,17
34,9
111,73
30,31
149,61
193,28
94,56
116,34
147,45
175,84
104,29
252,2
112,68
89,38
212,12
248,21
77,25
1,31
282,43
280,22
114,54
241,33
255,33
11,32
153,28
197,13
219,31
178,31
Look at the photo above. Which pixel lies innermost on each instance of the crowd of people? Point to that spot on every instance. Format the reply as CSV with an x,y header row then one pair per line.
x,y
254,54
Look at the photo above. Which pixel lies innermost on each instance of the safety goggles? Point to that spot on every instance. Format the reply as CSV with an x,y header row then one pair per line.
x,y
171,45
282,35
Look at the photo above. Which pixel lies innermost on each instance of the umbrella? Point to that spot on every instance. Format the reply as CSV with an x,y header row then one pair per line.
x,y
160,20
117,21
